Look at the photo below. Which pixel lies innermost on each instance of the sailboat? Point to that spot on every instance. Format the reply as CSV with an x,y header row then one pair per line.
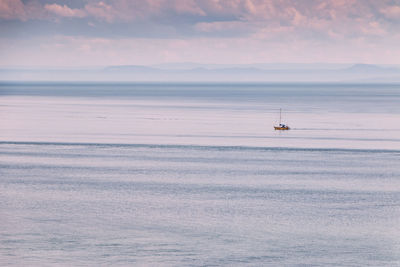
x,y
282,126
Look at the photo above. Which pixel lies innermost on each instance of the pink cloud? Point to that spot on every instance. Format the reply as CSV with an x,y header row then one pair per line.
x,y
16,9
101,10
10,9
282,11
219,26
265,19
392,12
188,7
65,11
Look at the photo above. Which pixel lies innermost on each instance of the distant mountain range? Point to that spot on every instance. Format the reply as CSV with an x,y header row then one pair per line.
x,y
203,68
187,72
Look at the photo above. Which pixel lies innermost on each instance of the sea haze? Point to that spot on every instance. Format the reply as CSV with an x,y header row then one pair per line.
x,y
193,72
357,116
178,174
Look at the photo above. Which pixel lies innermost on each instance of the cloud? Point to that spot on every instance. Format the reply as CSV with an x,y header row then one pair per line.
x,y
126,10
188,7
10,9
392,12
280,12
65,11
75,51
249,26
221,26
101,10
17,10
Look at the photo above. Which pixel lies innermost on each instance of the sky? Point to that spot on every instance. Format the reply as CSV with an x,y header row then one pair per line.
x,y
91,33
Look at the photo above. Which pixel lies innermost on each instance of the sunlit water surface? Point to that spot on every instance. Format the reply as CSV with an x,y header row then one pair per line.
x,y
194,174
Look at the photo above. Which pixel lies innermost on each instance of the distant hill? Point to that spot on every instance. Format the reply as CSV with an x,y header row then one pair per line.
x,y
131,68
226,70
370,68
261,66
191,72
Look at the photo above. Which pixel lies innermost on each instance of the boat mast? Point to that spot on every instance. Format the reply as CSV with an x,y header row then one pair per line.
x,y
280,116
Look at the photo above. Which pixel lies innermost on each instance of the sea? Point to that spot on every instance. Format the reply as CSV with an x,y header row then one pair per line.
x,y
194,174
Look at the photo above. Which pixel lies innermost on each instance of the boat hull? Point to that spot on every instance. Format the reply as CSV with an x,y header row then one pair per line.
x,y
281,128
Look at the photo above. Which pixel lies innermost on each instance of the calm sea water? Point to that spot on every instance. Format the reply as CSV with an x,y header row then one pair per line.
x,y
195,175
